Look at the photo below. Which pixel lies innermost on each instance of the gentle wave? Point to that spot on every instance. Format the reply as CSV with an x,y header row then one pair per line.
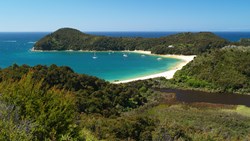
x,y
31,42
10,41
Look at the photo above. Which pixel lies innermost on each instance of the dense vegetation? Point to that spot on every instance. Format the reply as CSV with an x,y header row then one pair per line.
x,y
93,95
50,99
224,70
164,122
182,43
54,103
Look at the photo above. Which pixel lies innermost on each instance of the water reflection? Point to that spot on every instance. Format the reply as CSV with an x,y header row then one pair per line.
x,y
190,96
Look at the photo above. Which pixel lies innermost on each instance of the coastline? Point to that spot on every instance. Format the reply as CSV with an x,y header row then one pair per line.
x,y
168,74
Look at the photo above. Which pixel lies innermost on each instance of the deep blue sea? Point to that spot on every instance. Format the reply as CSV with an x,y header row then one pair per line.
x,y
15,48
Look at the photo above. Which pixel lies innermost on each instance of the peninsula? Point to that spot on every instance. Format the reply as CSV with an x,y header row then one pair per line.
x,y
181,43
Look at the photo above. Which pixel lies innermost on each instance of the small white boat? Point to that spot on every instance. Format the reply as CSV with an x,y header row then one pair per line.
x,y
94,57
159,58
125,55
142,55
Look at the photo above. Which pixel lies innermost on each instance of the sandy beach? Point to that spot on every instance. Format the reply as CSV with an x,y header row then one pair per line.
x,y
167,74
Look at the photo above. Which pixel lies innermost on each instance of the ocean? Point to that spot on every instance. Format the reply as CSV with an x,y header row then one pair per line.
x,y
15,49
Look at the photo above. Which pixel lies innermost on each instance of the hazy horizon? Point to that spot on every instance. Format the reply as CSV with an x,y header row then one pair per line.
x,y
115,31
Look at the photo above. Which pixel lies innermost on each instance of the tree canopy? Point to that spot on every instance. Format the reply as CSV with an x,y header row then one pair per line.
x,y
227,69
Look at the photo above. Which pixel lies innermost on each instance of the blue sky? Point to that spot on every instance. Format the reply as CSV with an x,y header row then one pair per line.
x,y
125,15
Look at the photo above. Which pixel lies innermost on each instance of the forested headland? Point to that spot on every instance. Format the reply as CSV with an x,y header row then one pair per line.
x,y
181,43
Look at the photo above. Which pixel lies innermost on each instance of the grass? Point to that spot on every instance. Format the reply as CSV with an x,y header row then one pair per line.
x,y
179,121
243,110
240,109
185,122
88,135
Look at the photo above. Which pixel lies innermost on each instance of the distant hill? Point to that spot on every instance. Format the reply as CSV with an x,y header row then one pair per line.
x,y
182,43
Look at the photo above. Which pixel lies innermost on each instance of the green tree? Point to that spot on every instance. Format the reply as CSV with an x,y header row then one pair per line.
x,y
51,111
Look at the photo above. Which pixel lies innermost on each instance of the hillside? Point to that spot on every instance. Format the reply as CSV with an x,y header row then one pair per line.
x,y
54,103
227,69
182,43
83,86
47,101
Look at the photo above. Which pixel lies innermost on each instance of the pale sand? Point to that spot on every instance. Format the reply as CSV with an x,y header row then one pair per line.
x,y
167,74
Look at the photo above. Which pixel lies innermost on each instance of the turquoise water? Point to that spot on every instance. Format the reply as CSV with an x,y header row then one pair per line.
x,y
15,48
109,66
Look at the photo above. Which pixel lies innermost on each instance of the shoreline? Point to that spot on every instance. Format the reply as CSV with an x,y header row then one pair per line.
x,y
168,74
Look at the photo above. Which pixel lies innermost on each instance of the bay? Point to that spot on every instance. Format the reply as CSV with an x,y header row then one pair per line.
x,y
111,66
15,48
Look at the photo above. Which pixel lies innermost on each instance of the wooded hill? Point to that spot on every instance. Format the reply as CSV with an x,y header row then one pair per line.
x,y
225,70
181,43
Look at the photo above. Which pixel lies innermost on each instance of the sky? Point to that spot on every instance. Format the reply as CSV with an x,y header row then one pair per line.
x,y
125,15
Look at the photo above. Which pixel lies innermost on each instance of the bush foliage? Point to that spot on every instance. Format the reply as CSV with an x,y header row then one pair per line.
x,y
223,70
